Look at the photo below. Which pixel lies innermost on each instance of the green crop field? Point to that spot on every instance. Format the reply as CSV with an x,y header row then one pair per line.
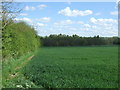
x,y
74,67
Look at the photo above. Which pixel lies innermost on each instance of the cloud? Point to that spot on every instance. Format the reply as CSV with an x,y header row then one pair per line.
x,y
94,26
93,20
64,22
80,22
105,27
114,13
27,8
68,12
41,24
69,27
87,25
42,6
23,14
102,21
68,22
28,20
44,19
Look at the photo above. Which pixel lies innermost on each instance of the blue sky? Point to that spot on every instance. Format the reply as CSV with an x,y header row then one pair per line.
x,y
81,18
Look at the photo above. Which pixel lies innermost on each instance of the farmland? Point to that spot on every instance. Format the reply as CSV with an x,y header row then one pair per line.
x,y
74,67
59,45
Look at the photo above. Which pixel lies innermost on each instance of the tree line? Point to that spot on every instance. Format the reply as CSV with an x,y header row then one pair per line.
x,y
75,40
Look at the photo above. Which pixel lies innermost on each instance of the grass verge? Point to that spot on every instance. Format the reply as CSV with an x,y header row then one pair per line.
x,y
11,73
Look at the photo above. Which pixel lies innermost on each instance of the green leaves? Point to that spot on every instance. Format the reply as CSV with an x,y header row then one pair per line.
x,y
18,39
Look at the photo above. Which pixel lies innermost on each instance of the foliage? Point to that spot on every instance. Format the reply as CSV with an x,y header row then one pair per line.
x,y
10,10
74,67
12,76
75,40
18,39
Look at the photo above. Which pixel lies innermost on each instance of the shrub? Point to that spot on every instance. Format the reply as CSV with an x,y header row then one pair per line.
x,y
18,39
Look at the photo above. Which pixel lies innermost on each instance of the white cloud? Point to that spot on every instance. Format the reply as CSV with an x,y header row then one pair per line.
x,y
70,27
95,26
68,12
28,20
93,20
41,24
105,27
87,25
27,8
102,21
114,13
64,22
23,14
42,6
44,19
80,22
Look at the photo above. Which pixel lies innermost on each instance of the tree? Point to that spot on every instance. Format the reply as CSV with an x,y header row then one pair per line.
x,y
75,40
9,10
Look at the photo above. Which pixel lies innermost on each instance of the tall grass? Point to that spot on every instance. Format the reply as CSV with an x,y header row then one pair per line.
x,y
11,73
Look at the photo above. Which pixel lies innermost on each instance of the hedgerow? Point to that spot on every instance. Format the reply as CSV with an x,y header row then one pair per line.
x,y
18,39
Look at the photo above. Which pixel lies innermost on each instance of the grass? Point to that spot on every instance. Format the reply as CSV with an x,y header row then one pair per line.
x,y
12,76
0,68
74,67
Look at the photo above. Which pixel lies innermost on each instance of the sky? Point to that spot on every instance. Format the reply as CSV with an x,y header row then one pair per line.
x,y
81,18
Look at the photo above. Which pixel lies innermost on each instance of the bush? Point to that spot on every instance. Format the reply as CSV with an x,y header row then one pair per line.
x,y
18,39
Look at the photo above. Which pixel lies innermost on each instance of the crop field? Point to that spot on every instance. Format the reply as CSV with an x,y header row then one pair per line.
x,y
74,67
